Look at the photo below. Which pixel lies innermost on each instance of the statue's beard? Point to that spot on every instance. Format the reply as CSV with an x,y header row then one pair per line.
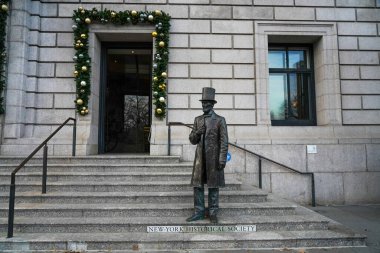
x,y
207,111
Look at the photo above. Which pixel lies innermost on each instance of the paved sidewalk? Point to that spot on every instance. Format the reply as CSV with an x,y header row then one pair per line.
x,y
364,219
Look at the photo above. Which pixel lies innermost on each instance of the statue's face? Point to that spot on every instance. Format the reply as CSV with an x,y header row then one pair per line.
x,y
207,106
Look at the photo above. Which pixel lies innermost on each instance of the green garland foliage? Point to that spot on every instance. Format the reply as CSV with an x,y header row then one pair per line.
x,y
83,18
3,53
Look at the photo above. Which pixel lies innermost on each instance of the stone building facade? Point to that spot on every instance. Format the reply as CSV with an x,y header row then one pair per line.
x,y
221,44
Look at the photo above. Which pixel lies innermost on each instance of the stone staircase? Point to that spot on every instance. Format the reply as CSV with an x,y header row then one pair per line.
x,y
106,203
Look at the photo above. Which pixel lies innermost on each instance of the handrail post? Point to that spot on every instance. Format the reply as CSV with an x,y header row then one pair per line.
x,y
74,137
11,210
169,138
312,190
44,169
260,175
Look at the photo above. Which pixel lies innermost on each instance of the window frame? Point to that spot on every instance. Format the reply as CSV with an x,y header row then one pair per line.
x,y
311,71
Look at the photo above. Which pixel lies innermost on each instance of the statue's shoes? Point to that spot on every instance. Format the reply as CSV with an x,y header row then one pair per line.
x,y
196,216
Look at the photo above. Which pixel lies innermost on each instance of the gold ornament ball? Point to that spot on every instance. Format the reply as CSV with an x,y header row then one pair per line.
x,y
134,13
155,78
77,45
86,111
164,75
4,7
150,18
84,108
76,73
159,110
160,86
78,41
83,36
79,101
82,11
81,44
82,112
161,44
113,14
162,99
158,12
87,20
154,34
80,8
84,68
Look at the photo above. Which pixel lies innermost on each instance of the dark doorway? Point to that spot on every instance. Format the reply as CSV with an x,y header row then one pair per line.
x,y
125,113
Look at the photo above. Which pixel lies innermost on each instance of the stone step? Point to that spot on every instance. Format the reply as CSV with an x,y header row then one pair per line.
x,y
109,186
95,168
145,210
139,224
252,196
106,202
146,242
102,176
96,159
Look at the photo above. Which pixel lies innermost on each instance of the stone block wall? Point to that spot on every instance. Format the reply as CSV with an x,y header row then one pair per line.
x,y
216,43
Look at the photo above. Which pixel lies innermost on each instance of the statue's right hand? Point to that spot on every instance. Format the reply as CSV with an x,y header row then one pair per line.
x,y
201,130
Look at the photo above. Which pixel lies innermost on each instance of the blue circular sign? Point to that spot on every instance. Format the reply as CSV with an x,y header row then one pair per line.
x,y
228,156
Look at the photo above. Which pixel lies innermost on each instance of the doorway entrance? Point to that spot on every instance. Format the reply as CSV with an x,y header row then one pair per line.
x,y
125,114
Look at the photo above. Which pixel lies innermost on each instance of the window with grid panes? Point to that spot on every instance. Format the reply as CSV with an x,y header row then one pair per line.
x,y
291,85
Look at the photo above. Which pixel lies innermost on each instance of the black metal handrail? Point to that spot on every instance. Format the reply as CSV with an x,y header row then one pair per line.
x,y
12,193
311,174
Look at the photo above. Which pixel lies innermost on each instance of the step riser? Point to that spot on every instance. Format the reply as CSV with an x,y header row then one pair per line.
x,y
96,160
107,246
101,168
100,178
224,245
105,188
185,212
141,228
132,200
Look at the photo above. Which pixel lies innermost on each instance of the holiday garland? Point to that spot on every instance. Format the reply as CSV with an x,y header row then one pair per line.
x,y
83,18
3,53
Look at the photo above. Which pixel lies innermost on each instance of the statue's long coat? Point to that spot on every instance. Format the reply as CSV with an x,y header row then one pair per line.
x,y
216,146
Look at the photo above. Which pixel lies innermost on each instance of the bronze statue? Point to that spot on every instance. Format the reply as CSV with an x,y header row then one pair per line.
x,y
210,135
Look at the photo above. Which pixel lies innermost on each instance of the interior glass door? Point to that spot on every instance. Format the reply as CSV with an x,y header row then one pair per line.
x,y
127,95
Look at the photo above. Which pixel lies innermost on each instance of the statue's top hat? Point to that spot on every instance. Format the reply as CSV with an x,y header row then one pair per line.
x,y
208,94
